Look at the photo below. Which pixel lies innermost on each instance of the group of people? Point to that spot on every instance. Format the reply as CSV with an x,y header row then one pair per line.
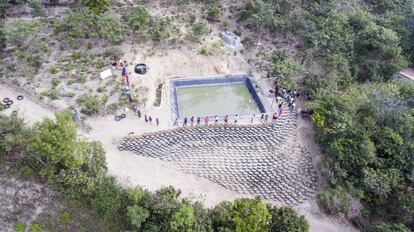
x,y
196,121
289,96
147,118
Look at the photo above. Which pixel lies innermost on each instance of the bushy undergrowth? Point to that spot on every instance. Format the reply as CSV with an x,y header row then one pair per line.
x,y
85,24
18,31
91,104
146,26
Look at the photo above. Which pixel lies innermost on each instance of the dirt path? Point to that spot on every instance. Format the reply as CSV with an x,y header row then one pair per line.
x,y
152,174
26,108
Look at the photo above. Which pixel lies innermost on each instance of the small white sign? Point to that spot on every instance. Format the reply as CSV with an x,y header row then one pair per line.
x,y
105,74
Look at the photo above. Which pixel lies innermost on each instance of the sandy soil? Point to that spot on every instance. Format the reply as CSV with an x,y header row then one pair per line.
x,y
28,109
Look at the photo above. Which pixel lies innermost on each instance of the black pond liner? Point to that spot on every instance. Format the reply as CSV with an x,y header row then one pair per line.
x,y
141,69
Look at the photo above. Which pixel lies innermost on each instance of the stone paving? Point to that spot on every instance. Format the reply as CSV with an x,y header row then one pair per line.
x,y
254,159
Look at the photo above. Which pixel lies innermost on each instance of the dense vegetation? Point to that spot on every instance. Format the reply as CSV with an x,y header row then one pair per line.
x,y
366,130
367,135
77,168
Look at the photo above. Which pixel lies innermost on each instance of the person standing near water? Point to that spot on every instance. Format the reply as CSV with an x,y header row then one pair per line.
x,y
252,119
185,121
198,121
145,118
216,120
192,120
150,119
266,118
176,122
226,119
274,117
206,121
157,121
262,118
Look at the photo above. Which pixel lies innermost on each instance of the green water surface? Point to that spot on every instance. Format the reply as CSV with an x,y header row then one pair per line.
x,y
215,100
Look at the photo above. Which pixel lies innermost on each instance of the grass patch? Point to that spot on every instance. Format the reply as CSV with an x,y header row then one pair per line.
x,y
65,217
212,49
20,227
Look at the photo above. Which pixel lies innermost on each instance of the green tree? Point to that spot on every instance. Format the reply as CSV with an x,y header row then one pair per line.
x,y
250,215
379,54
107,198
260,14
397,227
162,205
183,219
56,142
137,215
381,182
221,217
284,69
97,6
287,219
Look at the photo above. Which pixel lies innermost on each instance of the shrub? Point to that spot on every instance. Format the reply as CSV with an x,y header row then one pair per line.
x,y
35,228
198,29
212,49
31,60
139,20
52,94
64,217
2,39
397,227
82,79
91,104
37,8
158,95
97,6
335,201
213,13
162,28
20,227
225,23
85,24
287,219
54,70
18,31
